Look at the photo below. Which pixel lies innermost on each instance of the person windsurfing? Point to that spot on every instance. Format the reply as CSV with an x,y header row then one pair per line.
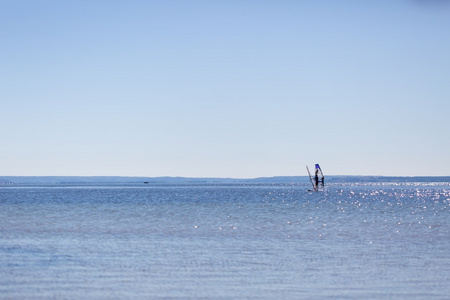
x,y
316,178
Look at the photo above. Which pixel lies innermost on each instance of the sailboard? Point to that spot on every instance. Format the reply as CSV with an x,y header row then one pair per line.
x,y
318,181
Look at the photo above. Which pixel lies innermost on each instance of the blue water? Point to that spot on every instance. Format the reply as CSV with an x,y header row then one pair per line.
x,y
356,241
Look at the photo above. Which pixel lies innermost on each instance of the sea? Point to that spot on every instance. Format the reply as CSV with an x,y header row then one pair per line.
x,y
225,241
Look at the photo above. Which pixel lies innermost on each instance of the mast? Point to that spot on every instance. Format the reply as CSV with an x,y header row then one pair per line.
x,y
311,179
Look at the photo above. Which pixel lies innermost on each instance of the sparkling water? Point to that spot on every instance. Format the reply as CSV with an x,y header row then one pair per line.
x,y
353,241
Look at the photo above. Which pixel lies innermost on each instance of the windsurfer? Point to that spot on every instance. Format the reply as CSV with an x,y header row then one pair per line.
x,y
316,178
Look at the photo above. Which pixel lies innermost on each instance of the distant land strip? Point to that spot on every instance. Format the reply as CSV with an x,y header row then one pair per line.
x,y
51,180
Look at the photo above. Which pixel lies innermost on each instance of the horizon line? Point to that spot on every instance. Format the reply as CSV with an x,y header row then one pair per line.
x,y
217,177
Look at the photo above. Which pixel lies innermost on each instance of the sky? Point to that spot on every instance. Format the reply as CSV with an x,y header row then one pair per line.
x,y
239,89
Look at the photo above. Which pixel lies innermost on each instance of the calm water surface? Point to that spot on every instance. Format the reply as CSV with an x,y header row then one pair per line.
x,y
356,241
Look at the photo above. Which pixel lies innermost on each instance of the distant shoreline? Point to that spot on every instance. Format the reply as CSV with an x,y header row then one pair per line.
x,y
24,180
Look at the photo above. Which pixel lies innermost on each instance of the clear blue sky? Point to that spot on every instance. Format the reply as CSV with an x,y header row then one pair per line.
x,y
224,88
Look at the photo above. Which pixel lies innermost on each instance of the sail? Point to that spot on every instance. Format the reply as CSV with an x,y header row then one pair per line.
x,y
320,175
